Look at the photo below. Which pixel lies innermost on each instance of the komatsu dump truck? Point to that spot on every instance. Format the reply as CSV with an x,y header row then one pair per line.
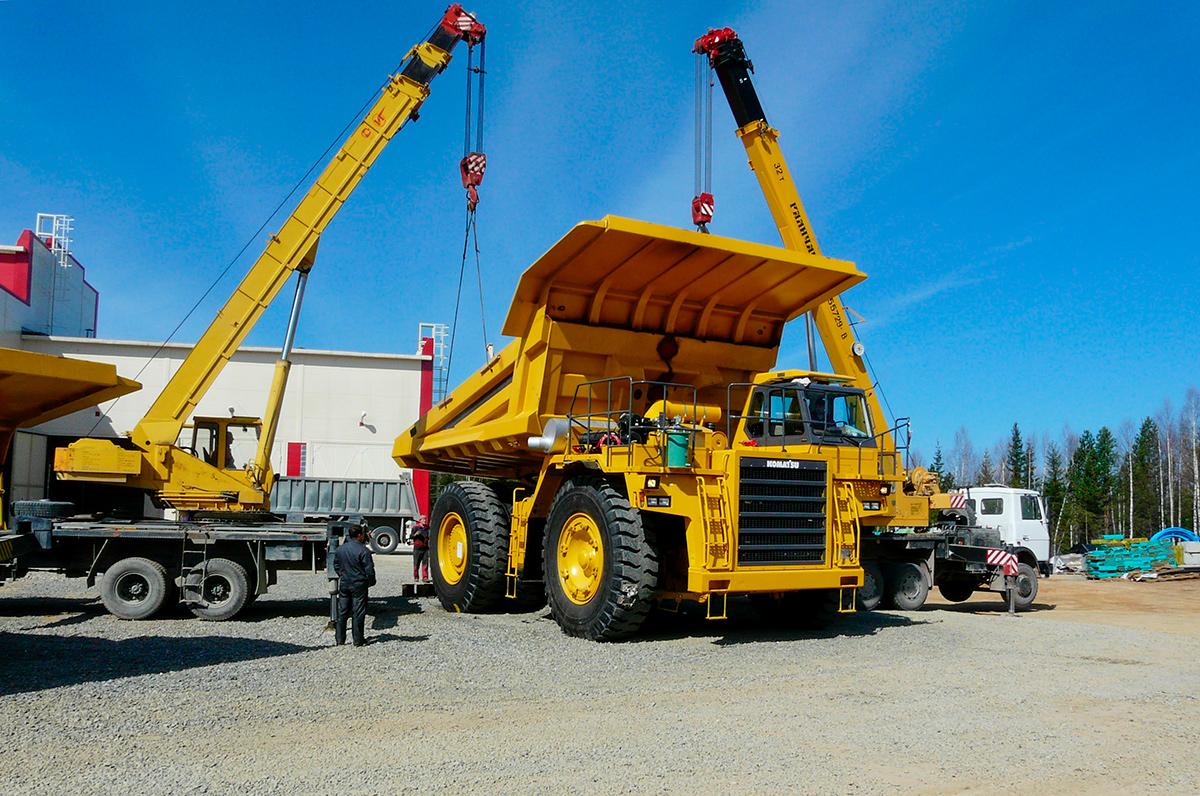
x,y
644,449
635,444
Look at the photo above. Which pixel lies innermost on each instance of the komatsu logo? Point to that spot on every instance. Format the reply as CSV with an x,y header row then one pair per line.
x,y
783,464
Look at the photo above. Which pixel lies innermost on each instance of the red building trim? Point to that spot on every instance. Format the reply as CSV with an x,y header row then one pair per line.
x,y
16,270
420,478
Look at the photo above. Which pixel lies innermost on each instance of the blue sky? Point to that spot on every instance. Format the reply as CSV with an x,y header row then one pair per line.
x,y
1019,180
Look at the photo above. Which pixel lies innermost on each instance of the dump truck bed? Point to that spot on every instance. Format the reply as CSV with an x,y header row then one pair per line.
x,y
620,299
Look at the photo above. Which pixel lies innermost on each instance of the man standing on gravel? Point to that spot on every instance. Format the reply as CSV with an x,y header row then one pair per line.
x,y
355,569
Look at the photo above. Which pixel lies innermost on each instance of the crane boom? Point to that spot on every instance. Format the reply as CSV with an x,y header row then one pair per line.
x,y
294,246
182,478
727,56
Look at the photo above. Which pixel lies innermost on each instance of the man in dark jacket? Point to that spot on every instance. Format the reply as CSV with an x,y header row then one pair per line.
x,y
356,573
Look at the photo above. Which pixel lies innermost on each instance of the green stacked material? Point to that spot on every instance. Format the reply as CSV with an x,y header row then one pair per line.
x,y
1117,555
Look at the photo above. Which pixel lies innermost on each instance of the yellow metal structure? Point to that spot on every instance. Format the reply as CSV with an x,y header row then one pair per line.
x,y
629,322
37,388
183,478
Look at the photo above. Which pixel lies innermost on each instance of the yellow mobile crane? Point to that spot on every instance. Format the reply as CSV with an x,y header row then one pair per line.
x,y
203,476
222,564
899,568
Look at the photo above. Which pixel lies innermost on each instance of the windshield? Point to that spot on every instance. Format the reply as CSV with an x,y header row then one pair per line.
x,y
845,415
828,415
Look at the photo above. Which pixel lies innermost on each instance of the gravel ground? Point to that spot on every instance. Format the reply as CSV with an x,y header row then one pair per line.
x,y
941,701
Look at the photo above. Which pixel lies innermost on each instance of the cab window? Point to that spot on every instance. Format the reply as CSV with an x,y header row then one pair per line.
x,y
991,506
754,423
849,417
786,417
241,445
1030,510
204,442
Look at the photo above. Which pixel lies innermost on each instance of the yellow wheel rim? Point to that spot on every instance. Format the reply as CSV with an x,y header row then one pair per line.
x,y
580,559
452,548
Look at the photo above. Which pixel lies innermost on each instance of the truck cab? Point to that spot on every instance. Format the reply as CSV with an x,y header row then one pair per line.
x,y
1018,514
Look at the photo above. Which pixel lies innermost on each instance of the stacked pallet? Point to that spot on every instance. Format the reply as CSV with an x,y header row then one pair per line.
x,y
1116,555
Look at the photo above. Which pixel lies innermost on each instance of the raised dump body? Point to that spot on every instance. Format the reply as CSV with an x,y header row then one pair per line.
x,y
628,301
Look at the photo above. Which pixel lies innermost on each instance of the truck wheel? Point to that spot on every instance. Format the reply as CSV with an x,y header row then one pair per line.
x,y
44,509
811,609
600,566
1027,587
384,540
870,594
226,588
468,552
134,588
956,591
909,586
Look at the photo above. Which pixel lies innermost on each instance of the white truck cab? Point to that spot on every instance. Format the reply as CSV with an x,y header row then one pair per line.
x,y
1018,514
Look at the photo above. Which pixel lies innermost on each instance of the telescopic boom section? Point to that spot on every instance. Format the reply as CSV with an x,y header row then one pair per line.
x,y
727,57
294,247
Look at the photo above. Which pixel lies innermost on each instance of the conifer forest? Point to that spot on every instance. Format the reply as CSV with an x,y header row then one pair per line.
x,y
1134,479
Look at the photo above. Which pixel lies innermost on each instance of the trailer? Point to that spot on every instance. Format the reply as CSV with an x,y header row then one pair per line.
x,y
215,569
385,506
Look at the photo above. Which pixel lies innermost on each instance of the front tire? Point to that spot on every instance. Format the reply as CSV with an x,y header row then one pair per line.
x,y
226,589
468,550
134,588
1026,587
600,565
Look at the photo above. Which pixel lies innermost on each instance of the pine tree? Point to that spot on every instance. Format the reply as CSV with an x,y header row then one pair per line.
x,y
987,474
1014,458
1144,463
1105,473
1054,490
945,475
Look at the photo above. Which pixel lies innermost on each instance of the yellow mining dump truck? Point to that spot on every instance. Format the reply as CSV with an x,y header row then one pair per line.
x,y
643,448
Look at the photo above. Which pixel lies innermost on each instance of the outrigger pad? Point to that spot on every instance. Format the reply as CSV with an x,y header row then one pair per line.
x,y
627,274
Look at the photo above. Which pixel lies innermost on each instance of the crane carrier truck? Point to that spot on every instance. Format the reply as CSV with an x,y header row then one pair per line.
x,y
225,548
642,449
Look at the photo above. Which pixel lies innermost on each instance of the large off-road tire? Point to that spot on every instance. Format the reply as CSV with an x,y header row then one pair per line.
x,y
811,609
599,561
957,590
1027,587
468,548
134,588
384,540
908,585
870,594
226,590
44,509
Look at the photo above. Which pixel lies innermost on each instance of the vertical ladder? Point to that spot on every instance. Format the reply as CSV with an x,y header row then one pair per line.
x,y
846,537
193,568
55,229
517,541
717,532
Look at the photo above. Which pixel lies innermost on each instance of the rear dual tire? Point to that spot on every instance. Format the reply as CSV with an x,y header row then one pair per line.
x,y
226,590
134,588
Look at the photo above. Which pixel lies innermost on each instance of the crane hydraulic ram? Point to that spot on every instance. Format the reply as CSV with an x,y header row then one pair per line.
x,y
203,476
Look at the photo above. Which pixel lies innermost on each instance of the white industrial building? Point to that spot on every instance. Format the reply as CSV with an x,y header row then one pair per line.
x,y
340,415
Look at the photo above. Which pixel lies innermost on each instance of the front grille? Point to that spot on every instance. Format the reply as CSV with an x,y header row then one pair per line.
x,y
781,512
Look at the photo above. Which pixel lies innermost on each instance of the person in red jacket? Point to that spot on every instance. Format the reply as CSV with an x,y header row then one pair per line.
x,y
420,545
